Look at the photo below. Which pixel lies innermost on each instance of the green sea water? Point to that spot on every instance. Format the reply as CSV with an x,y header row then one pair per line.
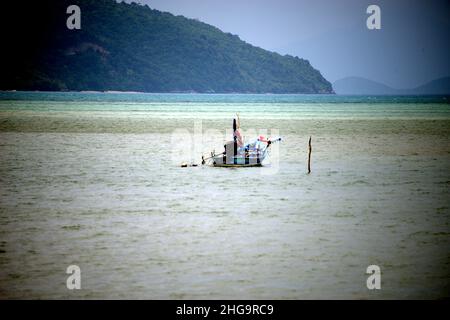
x,y
94,179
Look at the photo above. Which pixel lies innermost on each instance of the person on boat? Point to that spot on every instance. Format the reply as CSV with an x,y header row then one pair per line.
x,y
237,132
239,139
257,144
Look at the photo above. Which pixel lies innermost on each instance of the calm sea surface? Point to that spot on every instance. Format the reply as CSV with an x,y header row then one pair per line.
x,y
94,179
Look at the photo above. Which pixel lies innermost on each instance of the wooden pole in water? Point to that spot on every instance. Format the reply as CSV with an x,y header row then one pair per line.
x,y
309,156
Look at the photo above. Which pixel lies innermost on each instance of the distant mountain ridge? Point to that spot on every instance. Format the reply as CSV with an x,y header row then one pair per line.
x,y
130,47
358,85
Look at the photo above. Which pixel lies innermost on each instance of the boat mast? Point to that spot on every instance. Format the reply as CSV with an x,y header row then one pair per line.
x,y
235,141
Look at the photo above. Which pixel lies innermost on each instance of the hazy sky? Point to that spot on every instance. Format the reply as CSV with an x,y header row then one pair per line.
x,y
412,47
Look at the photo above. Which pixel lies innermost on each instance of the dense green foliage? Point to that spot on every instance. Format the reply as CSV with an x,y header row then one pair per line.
x,y
131,47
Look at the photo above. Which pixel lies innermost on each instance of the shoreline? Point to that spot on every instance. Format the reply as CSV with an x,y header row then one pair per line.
x,y
164,92
118,92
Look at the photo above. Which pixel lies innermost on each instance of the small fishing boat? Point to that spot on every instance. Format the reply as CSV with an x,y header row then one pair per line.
x,y
238,154
238,161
